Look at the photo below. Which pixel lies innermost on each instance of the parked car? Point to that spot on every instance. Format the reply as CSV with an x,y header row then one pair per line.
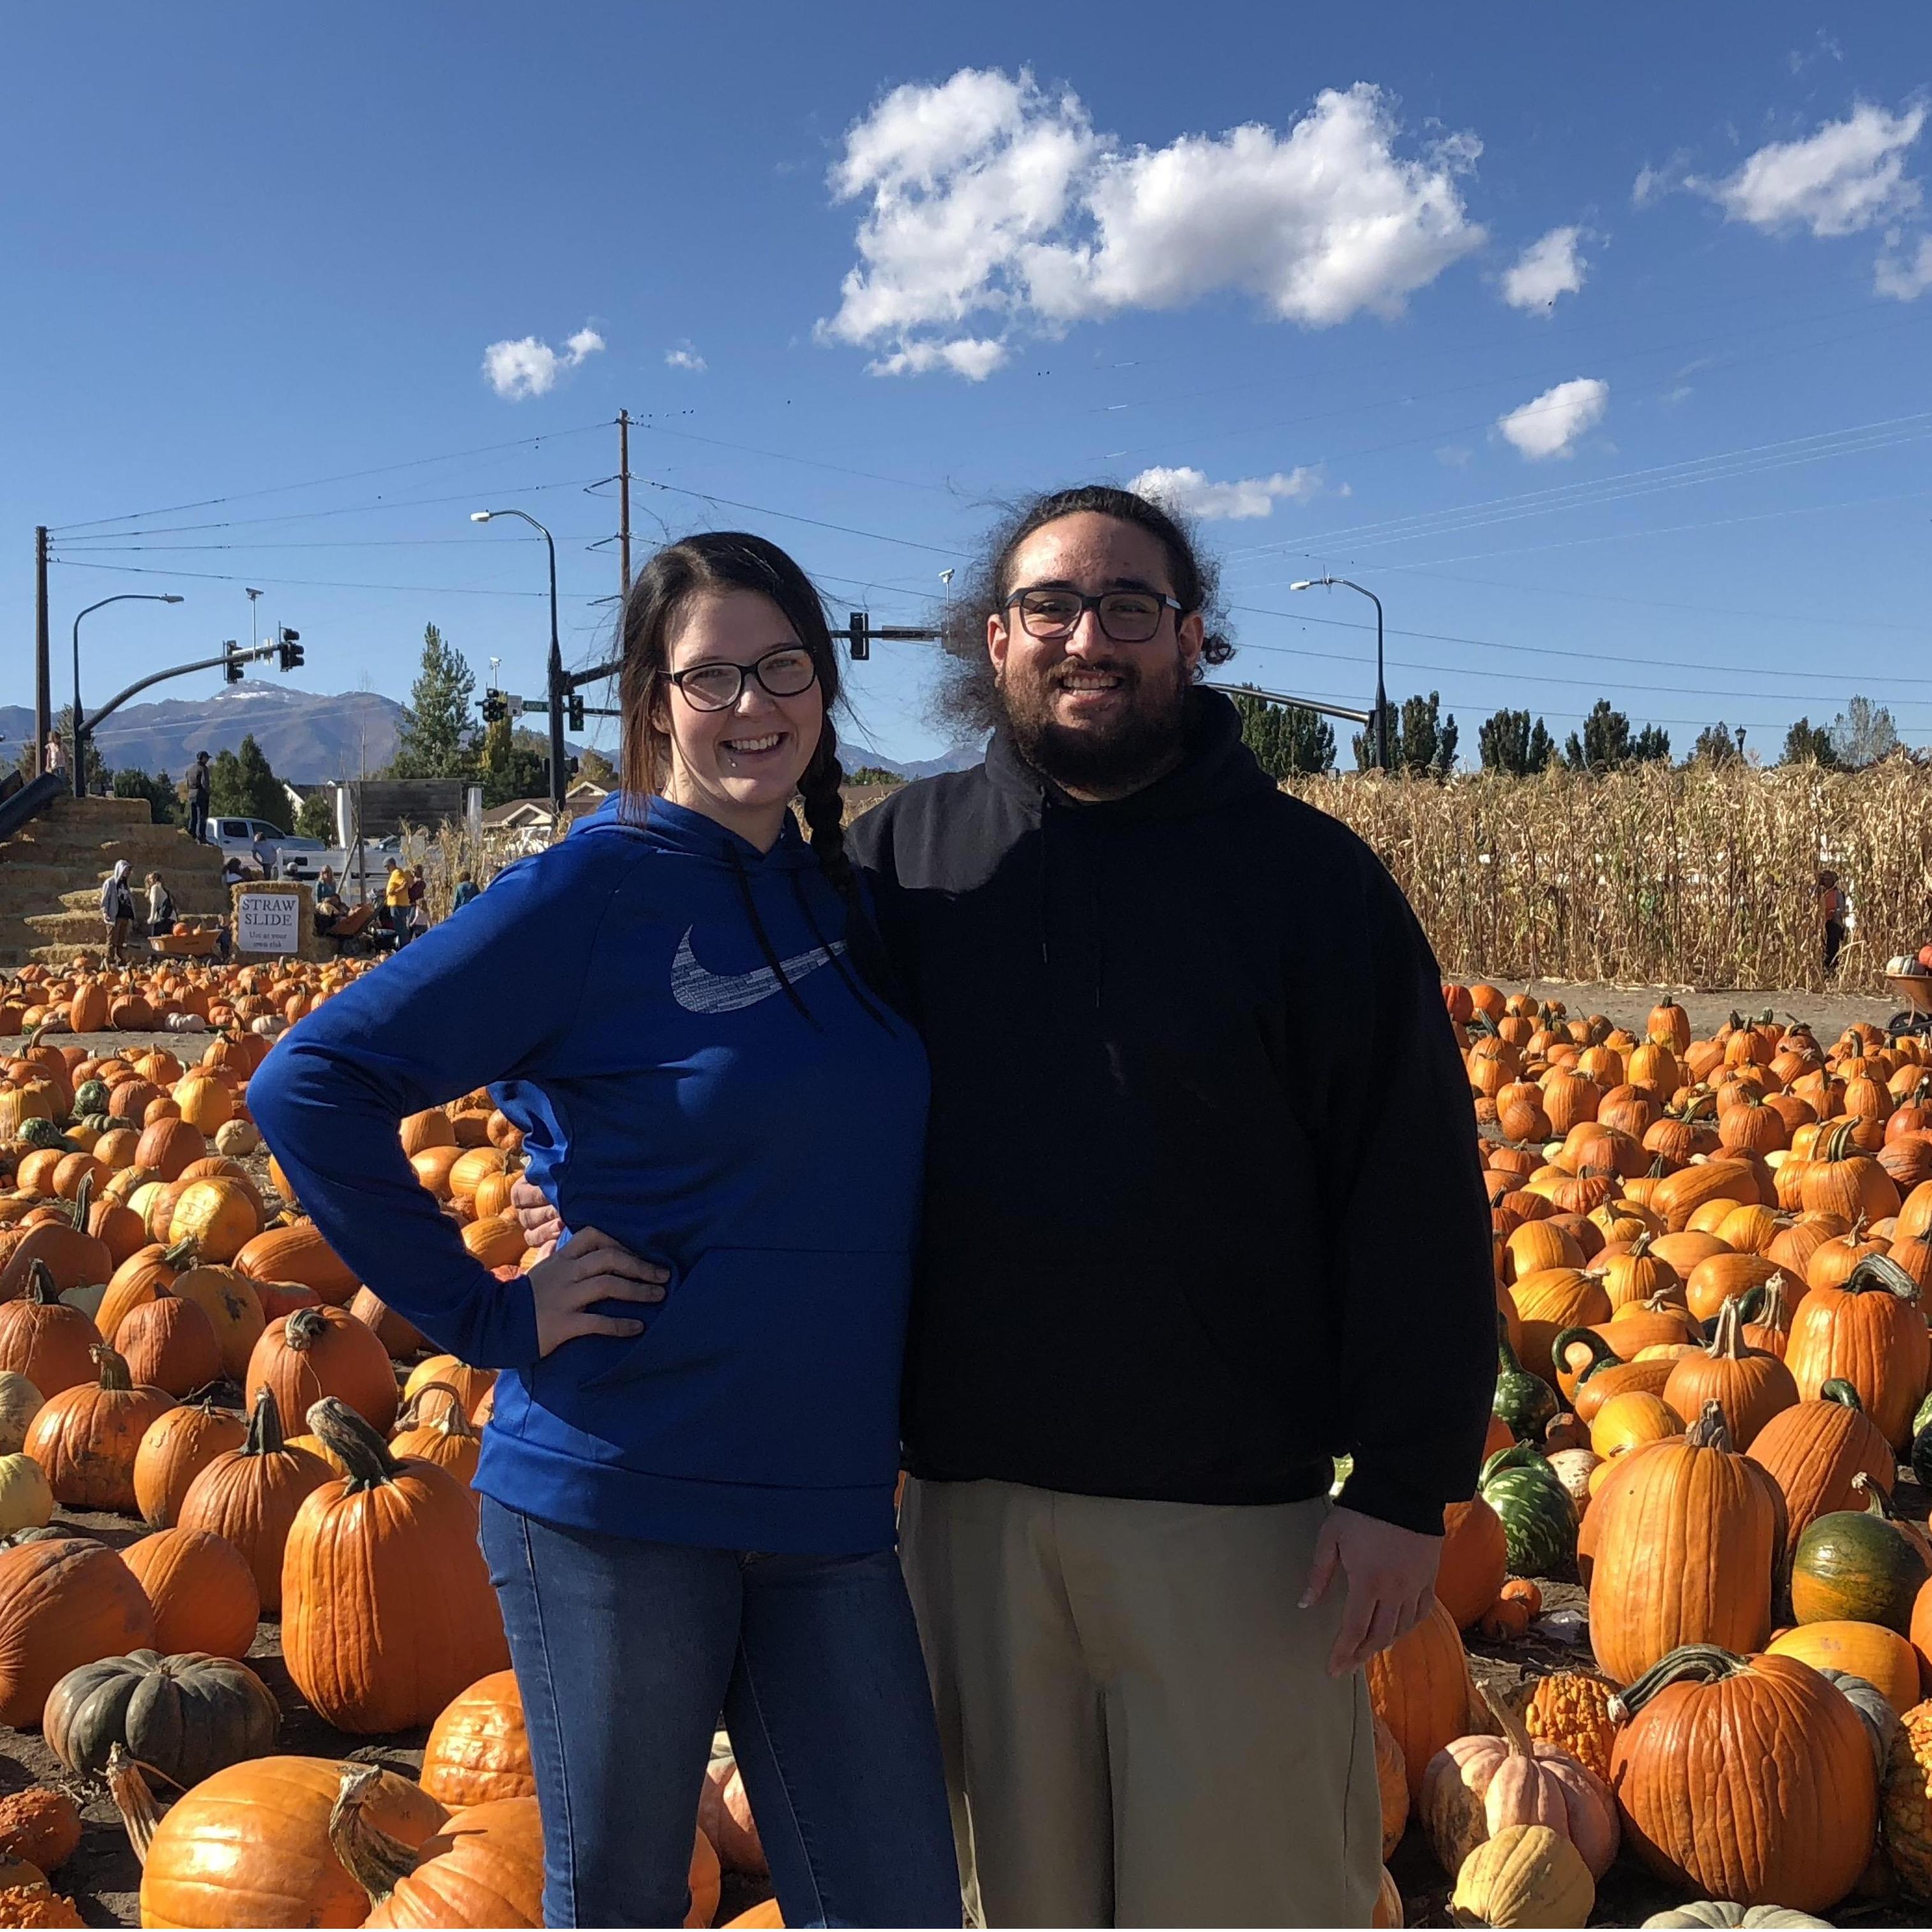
x,y
238,835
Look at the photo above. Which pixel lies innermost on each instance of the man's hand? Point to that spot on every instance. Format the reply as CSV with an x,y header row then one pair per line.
x,y
541,1224
1391,1576
593,1268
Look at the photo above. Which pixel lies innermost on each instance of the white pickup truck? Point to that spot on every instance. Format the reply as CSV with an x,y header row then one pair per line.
x,y
288,857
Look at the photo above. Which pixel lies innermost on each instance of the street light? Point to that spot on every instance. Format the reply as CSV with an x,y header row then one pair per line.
x,y
556,771
1381,696
80,733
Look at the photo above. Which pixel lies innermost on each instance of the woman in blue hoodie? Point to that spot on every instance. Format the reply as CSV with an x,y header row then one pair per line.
x,y
687,1484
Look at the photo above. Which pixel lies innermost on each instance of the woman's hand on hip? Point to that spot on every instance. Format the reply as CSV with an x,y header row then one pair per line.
x,y
593,1268
541,1224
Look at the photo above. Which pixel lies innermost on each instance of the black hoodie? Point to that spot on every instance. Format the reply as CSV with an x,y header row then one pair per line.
x,y
1203,1206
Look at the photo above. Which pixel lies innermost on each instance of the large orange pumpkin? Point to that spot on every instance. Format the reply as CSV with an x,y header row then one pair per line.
x,y
298,1253
1789,1821
479,1749
1684,1552
201,1590
42,1338
85,1438
177,1447
450,1440
170,1344
1812,1451
217,1215
1870,1333
370,1648
1420,1688
320,1351
65,1602
1750,1385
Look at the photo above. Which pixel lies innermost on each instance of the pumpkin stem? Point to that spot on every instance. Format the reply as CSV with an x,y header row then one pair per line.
x,y
1601,1350
1710,1431
134,1800
265,1427
184,1255
1727,1343
1509,1726
303,1328
113,1367
1876,1502
376,1860
452,1422
83,1202
1841,1391
40,1289
220,1394
354,1443
1880,1271
1707,1663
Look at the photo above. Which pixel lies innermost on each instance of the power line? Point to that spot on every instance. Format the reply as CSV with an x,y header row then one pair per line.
x,y
320,482
316,582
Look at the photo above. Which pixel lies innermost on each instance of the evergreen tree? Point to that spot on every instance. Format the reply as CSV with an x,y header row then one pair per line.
x,y
438,739
873,774
1420,740
158,791
1718,745
1862,733
1285,739
515,765
317,818
1605,746
1809,744
1651,746
593,765
240,785
1509,742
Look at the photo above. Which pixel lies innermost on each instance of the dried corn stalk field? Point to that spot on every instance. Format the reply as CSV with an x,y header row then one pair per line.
x,y
1702,876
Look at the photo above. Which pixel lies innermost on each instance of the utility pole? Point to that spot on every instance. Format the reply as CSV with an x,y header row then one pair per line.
x,y
42,677
624,500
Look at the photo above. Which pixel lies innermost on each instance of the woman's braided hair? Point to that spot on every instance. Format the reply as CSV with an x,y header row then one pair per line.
x,y
736,560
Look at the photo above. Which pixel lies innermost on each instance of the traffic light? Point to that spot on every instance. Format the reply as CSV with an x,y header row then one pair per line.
x,y
232,670
573,704
288,648
494,710
859,631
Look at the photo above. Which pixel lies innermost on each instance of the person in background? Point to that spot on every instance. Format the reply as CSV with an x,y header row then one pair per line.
x,y
117,911
419,888
56,760
419,919
465,891
396,901
328,902
261,857
197,798
233,872
1832,916
160,905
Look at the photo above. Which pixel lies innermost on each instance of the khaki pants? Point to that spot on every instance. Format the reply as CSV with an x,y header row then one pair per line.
x,y
1138,1724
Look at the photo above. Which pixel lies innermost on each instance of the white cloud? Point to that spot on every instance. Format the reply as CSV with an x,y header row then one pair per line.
x,y
1546,269
1906,277
529,368
1550,425
974,357
1190,490
1848,176
988,199
685,357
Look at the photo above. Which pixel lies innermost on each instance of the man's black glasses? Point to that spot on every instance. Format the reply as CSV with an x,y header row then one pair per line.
x,y
1127,616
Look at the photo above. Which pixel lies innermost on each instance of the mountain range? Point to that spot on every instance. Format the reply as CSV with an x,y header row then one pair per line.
x,y
309,736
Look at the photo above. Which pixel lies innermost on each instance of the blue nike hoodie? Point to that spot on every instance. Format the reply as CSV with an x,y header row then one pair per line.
x,y
670,1016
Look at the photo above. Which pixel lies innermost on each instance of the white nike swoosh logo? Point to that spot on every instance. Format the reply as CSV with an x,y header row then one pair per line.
x,y
697,991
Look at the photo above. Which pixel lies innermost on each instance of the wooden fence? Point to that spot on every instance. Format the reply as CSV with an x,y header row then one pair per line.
x,y
1702,876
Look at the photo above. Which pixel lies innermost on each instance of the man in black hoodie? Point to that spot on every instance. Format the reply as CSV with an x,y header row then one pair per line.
x,y
1203,1212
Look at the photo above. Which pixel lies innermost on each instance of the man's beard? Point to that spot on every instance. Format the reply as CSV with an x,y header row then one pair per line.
x,y
1141,743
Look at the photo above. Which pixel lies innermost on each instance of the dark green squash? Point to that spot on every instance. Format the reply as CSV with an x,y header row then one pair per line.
x,y
186,1716
91,1096
1526,1402
1539,1518
1859,1564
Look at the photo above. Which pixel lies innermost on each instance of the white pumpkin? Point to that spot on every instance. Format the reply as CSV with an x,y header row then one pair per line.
x,y
236,1138
19,1402
26,1499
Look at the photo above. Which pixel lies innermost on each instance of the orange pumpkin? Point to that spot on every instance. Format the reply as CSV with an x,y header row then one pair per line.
x,y
201,1590
1420,1688
64,1602
1871,1333
319,1351
178,1447
86,1439
42,1338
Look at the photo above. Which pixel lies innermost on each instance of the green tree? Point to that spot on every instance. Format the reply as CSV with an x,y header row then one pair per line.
x,y
240,785
158,791
1285,739
438,739
317,818
1607,744
593,765
1809,744
1863,734
1421,740
873,774
1507,741
515,765
1718,744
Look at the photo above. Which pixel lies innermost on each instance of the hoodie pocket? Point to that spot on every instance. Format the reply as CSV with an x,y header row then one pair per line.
x,y
765,1366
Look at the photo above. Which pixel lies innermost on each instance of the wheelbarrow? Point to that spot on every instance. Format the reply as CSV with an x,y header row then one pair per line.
x,y
1915,990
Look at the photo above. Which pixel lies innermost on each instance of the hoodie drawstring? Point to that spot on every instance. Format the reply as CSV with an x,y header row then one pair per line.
x,y
837,958
765,946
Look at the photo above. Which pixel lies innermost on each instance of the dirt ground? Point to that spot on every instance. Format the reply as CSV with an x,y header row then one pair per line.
x,y
104,1878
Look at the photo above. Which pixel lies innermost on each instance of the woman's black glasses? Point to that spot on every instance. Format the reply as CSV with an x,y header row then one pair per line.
x,y
717,686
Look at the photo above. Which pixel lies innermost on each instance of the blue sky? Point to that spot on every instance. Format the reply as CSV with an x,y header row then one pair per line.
x,y
1596,345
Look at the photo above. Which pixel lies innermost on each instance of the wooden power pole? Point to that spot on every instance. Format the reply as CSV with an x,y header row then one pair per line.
x,y
624,500
43,688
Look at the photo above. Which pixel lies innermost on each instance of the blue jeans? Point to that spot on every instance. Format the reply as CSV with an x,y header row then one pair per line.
x,y
626,1652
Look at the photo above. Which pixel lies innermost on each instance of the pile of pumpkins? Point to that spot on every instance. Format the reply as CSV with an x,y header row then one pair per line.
x,y
168,996
1712,1261
179,1345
